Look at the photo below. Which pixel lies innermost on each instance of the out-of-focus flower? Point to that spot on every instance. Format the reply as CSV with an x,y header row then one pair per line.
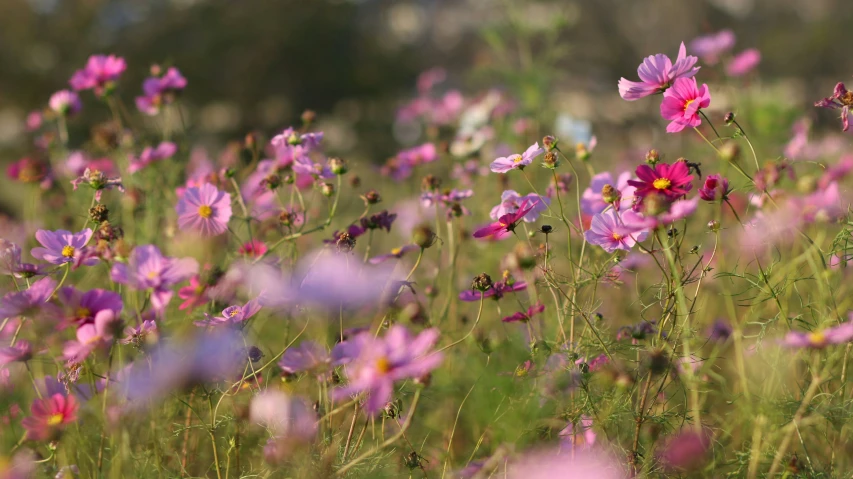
x,y
686,450
21,351
504,226
307,357
285,416
512,201
711,47
682,102
232,315
81,308
91,336
205,210
98,181
160,90
49,415
671,180
592,199
22,465
10,262
823,205
526,315
516,161
841,99
395,253
497,291
744,62
382,361
100,74
721,330
553,464
253,249
613,231
34,120
149,155
145,333
657,73
28,170
29,302
715,187
820,338
836,172
581,436
65,103
58,246
147,268
194,295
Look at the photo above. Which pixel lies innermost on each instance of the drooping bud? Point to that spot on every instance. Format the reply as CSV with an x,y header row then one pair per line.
x,y
482,282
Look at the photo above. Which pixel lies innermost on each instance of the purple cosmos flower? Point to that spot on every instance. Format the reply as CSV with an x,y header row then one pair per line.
x,y
10,262
100,74
145,333
820,338
232,315
290,138
307,357
379,221
395,253
205,210
59,246
511,202
657,74
682,102
506,223
147,268
673,180
516,162
91,336
592,200
98,181
302,165
160,90
30,301
283,415
525,316
721,330
81,308
21,351
841,99
382,361
65,103
149,155
613,231
497,291
711,47
451,199
743,63
715,187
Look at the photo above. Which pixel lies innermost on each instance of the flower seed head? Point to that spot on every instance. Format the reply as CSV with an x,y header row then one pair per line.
x,y
482,282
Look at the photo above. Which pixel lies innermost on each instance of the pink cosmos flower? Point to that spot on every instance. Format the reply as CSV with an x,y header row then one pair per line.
x,y
592,201
147,268
145,333
823,205
820,338
253,249
395,253
525,316
81,308
671,180
743,63
562,464
194,295
497,291
516,162
657,74
711,47
34,120
232,315
149,155
21,351
418,155
91,336
307,357
29,302
160,90
284,415
610,231
841,99
59,246
98,181
205,210
100,74
10,262
715,187
380,362
29,170
682,102
506,223
49,415
685,451
511,201
65,102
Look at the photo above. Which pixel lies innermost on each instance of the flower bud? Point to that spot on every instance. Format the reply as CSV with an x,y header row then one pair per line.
x,y
610,194
272,182
652,157
549,142
581,152
338,166
482,282
729,118
372,197
354,181
430,183
99,214
655,204
327,189
714,225
551,160
287,218
345,243
806,184
730,151
546,229
430,291
423,236
308,117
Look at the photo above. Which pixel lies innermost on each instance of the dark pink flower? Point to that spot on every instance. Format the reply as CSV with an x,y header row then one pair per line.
x,y
253,249
149,155
100,74
65,103
506,223
671,180
194,295
81,308
49,415
682,102
715,187
686,450
205,210
91,336
525,316
160,90
28,170
841,99
657,73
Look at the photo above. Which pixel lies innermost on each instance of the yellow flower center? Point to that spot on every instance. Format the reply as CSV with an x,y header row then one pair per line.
x,y
396,251
205,211
817,338
151,274
82,312
383,365
847,99
55,419
516,158
687,104
233,312
662,183
68,251
617,236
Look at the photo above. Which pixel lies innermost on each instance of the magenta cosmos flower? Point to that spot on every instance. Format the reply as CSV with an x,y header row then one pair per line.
x,y
81,308
91,336
205,210
516,162
30,301
682,102
160,90
511,201
820,338
19,352
59,246
506,223
147,268
149,155
715,187
841,99
610,231
49,415
380,362
526,315
657,73
671,180
100,74
743,63
65,102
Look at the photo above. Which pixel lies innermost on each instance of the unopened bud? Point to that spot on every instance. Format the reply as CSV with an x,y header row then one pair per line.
x,y
610,194
338,166
423,236
730,151
156,70
546,229
581,152
729,118
372,197
551,160
430,183
482,282
549,142
271,182
655,204
652,157
308,117
714,225
354,181
99,214
327,189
